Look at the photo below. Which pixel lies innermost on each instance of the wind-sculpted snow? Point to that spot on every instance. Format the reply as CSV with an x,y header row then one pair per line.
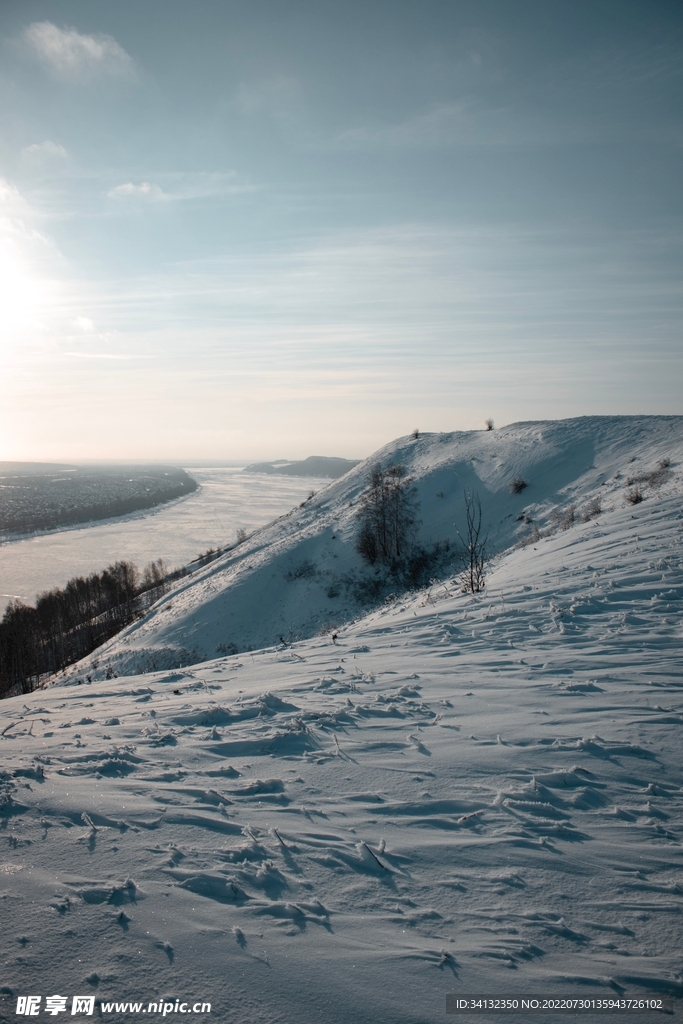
x,y
457,794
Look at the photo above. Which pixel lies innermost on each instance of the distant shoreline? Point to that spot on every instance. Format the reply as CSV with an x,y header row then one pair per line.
x,y
323,466
141,513
37,501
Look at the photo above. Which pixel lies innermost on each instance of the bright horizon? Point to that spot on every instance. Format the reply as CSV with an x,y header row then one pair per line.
x,y
239,233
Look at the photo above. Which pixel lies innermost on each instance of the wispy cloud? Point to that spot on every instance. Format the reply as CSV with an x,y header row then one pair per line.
x,y
145,190
72,55
204,184
83,323
466,123
180,185
441,125
635,65
41,153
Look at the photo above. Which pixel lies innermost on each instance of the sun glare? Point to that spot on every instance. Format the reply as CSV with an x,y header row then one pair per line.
x,y
26,292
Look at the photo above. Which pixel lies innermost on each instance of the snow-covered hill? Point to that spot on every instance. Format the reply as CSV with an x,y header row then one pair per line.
x,y
296,577
461,794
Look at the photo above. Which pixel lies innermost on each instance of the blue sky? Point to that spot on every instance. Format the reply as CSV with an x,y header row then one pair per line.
x,y
236,230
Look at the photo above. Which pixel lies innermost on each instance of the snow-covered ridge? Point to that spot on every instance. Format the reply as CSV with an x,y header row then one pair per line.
x,y
287,580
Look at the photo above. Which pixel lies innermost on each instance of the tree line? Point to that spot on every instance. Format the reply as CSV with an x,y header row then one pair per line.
x,y
66,624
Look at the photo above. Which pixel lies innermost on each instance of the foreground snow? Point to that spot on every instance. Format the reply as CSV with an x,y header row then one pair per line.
x,y
463,794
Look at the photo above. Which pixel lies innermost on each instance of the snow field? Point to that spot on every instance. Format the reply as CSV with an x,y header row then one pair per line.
x,y
462,794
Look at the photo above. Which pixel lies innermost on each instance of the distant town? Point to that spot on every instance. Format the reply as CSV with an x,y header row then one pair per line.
x,y
41,496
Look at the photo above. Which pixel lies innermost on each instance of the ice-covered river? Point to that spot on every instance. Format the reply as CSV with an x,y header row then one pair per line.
x,y
228,499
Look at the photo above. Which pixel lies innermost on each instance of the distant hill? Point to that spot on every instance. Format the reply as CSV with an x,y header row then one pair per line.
x,y
314,465
303,574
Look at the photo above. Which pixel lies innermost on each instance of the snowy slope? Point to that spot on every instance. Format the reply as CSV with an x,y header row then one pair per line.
x,y
291,579
462,794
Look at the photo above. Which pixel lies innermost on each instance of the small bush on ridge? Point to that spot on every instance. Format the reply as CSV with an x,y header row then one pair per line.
x,y
517,485
563,518
305,570
593,509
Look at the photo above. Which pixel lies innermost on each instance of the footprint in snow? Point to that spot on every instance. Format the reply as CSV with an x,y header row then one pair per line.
x,y
167,948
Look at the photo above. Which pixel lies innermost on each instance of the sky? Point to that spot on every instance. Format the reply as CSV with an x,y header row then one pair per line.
x,y
267,230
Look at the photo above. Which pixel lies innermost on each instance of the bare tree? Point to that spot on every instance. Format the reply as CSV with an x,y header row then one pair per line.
x,y
387,515
473,545
154,579
489,424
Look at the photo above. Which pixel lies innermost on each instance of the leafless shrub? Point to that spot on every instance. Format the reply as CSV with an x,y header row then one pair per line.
x,y
518,484
416,433
473,546
305,570
227,648
489,424
593,509
655,478
634,496
563,518
533,537
241,535
207,556
659,475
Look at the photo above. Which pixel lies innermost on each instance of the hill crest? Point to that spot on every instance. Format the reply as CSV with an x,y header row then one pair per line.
x,y
296,577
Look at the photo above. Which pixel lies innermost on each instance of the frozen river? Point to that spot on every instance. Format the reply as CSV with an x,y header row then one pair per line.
x,y
228,499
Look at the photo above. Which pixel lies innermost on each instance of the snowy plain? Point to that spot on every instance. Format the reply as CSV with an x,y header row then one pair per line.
x,y
458,793
228,499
